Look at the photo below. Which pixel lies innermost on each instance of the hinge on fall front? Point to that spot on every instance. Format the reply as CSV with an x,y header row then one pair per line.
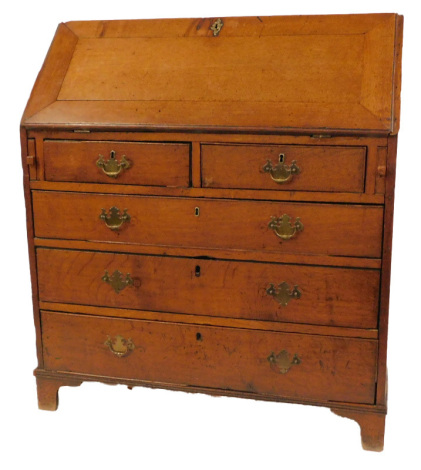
x,y
82,131
320,136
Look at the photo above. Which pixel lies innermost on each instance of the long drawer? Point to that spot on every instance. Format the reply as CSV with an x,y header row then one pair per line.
x,y
284,167
329,229
142,163
276,292
269,363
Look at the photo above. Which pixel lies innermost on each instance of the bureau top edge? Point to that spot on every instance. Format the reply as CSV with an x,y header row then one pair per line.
x,y
305,74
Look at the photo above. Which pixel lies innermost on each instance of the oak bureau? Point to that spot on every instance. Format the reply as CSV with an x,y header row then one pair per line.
x,y
209,207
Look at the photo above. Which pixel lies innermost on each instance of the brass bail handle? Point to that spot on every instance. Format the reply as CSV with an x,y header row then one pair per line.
x,y
281,363
114,219
281,173
113,167
120,346
283,228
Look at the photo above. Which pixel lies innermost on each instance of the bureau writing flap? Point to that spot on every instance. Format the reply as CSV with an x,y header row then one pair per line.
x,y
314,73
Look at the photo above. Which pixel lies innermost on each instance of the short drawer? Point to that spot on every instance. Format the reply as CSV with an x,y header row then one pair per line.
x,y
142,163
306,228
268,363
275,292
284,167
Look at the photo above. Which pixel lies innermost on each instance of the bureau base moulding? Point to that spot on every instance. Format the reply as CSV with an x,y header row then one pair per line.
x,y
372,423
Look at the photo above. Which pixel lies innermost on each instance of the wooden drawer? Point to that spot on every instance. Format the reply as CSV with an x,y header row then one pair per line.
x,y
317,168
328,369
154,164
327,296
330,229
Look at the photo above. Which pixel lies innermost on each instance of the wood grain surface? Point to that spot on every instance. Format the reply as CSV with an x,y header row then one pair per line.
x,y
253,75
329,296
217,357
155,164
330,169
265,325
346,230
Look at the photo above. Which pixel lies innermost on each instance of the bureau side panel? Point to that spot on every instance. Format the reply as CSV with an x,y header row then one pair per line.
x,y
31,247
386,267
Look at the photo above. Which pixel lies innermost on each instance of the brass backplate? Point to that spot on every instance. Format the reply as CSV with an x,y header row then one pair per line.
x,y
281,173
114,219
112,167
120,346
281,362
217,26
283,293
283,227
117,281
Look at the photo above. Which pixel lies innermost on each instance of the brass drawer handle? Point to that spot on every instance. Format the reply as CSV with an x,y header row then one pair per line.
x,y
120,346
282,293
281,363
281,173
114,220
112,167
283,228
117,281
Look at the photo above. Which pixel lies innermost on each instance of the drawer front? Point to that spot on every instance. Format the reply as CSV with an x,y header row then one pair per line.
x,y
269,363
284,167
346,230
314,295
155,164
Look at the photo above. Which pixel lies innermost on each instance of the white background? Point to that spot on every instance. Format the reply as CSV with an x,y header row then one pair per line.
x,y
100,426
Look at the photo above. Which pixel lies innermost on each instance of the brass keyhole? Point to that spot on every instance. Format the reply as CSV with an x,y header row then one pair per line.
x,y
197,271
281,157
197,211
